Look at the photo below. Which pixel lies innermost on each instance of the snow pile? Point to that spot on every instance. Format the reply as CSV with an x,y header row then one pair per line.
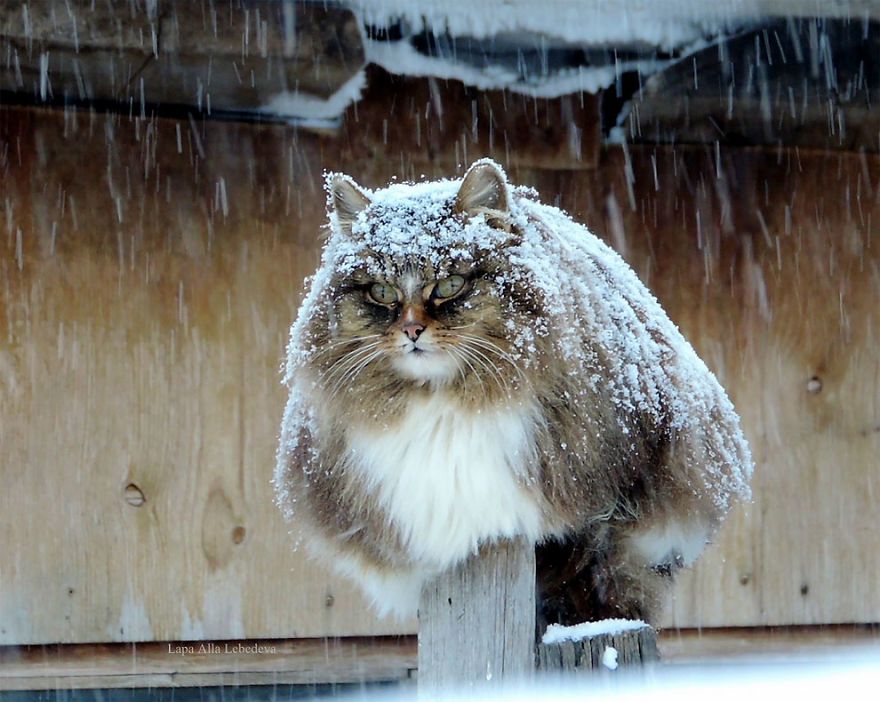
x,y
665,25
403,58
474,42
602,320
609,658
556,633
312,111
508,45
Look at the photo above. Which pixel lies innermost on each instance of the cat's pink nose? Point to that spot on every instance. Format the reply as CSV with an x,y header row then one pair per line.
x,y
413,330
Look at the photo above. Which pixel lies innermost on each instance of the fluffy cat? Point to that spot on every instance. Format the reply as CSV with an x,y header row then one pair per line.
x,y
470,365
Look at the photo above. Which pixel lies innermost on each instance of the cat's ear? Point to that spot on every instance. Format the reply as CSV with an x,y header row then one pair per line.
x,y
347,200
483,191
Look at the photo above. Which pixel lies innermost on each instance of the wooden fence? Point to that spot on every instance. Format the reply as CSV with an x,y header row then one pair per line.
x,y
150,269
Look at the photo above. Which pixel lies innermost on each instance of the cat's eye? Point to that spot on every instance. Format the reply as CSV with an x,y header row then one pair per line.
x,y
383,294
449,287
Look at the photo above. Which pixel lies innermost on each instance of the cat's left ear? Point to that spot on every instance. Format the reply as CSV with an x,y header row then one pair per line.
x,y
347,200
484,191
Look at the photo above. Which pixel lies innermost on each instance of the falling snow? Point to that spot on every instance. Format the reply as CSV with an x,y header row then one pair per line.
x,y
592,298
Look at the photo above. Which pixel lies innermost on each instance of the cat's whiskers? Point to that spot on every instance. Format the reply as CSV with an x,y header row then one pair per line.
x,y
501,353
482,359
456,358
341,342
355,371
456,354
485,348
467,352
482,341
348,355
345,362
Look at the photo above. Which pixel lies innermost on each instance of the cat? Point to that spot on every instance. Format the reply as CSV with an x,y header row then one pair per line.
x,y
470,365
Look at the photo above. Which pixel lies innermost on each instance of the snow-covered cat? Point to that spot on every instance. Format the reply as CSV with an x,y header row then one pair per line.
x,y
470,365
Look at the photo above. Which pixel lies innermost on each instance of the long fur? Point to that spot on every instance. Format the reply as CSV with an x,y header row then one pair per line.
x,y
551,399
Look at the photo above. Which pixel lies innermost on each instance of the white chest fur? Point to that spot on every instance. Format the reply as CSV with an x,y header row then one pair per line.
x,y
449,479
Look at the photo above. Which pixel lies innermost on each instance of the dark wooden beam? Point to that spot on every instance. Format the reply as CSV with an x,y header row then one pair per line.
x,y
210,56
797,82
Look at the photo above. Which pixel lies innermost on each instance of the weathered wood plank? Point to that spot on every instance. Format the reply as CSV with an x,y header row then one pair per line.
x,y
188,664
111,25
448,124
235,57
379,658
805,83
804,643
477,621
631,649
145,297
245,55
189,265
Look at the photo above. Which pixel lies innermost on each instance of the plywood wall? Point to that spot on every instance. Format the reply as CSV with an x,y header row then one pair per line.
x,y
769,261
149,271
145,299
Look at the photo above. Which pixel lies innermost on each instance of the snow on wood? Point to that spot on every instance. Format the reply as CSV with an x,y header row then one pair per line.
x,y
666,25
587,630
623,644
609,658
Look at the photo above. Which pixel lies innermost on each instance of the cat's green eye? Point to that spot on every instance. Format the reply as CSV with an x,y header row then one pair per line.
x,y
449,287
383,294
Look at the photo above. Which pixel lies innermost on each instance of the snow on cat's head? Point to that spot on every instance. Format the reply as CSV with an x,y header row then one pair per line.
x,y
415,289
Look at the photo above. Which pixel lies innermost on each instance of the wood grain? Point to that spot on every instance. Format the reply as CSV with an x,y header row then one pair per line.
x,y
767,644
445,123
766,86
204,57
144,309
202,663
634,649
769,263
86,666
149,270
477,621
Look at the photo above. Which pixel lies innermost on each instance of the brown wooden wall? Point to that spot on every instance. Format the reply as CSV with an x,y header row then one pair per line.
x,y
149,270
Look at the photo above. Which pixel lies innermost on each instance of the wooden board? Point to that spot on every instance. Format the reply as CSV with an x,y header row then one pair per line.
x,y
431,122
149,271
477,621
305,661
145,299
203,57
634,649
797,82
769,263
204,663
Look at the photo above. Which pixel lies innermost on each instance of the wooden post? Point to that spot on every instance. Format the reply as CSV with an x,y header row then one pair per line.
x,y
594,653
477,621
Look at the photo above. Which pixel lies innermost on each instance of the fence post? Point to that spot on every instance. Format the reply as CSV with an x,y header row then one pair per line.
x,y
477,621
599,652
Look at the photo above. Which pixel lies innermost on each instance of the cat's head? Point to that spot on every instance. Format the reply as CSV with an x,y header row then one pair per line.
x,y
417,289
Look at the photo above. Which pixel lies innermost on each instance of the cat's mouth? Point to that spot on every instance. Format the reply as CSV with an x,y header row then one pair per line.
x,y
421,363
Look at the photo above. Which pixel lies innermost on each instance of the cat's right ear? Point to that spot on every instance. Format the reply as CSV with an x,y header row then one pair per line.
x,y
484,192
347,200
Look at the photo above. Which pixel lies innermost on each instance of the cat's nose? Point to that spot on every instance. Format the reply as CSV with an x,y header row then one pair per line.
x,y
413,330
